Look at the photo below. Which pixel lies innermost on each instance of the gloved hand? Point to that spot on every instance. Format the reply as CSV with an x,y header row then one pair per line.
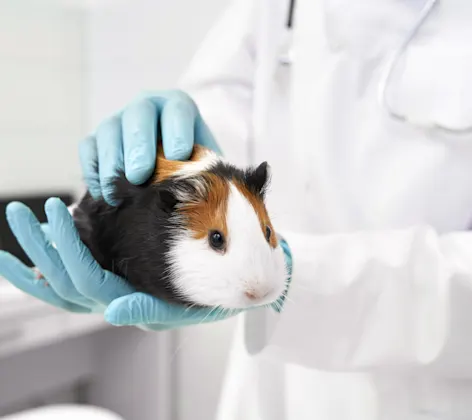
x,y
128,140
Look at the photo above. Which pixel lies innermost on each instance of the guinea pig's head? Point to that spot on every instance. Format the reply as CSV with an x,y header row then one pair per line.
x,y
222,249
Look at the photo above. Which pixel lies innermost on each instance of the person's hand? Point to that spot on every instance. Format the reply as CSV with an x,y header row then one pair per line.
x,y
128,140
74,281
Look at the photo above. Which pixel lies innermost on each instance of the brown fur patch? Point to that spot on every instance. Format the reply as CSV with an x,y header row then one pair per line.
x,y
209,214
166,168
261,211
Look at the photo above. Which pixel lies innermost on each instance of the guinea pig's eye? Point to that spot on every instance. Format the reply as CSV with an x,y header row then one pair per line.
x,y
268,233
217,240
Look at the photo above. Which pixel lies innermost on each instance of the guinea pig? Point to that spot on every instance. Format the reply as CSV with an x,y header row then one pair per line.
x,y
197,233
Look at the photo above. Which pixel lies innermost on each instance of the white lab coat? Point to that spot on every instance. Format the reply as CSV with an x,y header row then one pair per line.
x,y
379,319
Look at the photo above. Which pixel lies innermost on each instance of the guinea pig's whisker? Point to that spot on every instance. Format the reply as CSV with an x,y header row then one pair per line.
x,y
286,297
208,314
232,311
223,312
184,293
125,260
302,287
179,348
277,305
271,306
190,307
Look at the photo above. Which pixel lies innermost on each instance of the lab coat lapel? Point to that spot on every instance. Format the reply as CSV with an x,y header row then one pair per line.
x,y
269,38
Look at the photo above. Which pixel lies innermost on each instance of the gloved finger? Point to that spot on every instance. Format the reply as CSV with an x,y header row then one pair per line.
x,y
177,126
88,277
204,137
24,278
88,155
110,155
29,234
139,127
47,232
140,308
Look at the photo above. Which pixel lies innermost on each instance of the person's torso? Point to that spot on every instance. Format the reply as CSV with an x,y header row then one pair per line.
x,y
341,163
361,169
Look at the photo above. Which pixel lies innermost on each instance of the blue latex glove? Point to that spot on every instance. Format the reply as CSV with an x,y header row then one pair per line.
x,y
128,140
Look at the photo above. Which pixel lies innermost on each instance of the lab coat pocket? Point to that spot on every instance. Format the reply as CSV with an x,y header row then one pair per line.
x,y
431,85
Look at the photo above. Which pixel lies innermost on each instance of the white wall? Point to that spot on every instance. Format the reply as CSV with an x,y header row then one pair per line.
x,y
145,45
42,96
141,45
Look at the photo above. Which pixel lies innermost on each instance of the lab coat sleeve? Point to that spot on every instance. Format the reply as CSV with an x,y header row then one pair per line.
x,y
220,78
378,301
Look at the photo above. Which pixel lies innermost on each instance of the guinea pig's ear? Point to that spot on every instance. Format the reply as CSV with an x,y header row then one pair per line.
x,y
167,199
258,179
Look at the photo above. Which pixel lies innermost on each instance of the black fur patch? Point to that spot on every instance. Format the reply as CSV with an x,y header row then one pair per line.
x,y
256,180
133,239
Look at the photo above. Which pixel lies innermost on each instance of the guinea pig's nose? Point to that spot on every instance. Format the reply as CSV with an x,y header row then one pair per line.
x,y
256,294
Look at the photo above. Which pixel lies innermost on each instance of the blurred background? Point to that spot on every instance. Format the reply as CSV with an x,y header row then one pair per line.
x,y
65,65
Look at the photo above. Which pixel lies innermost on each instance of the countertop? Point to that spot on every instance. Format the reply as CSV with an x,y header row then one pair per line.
x,y
26,322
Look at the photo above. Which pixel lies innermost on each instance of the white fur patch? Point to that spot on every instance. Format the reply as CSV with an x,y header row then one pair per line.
x,y
193,168
249,264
